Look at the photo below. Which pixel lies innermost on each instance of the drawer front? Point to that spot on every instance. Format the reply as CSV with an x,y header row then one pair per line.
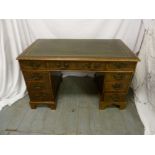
x,y
116,86
122,66
67,65
114,97
35,76
33,65
40,96
74,65
117,77
37,86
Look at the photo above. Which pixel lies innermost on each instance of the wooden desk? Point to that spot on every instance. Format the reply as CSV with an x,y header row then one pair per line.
x,y
111,60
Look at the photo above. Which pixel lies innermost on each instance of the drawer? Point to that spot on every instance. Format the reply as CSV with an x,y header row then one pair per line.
x,y
35,76
69,65
122,66
116,86
117,77
96,66
33,64
58,65
38,86
114,97
40,96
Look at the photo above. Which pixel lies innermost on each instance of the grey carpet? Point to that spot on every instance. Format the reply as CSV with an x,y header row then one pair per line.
x,y
77,113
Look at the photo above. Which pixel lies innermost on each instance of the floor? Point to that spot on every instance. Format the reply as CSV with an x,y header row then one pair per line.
x,y
77,113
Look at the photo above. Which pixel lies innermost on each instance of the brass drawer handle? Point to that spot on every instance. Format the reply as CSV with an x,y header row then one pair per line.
x,y
65,65
38,77
97,65
41,95
62,65
120,65
117,86
37,87
118,76
87,65
34,65
91,65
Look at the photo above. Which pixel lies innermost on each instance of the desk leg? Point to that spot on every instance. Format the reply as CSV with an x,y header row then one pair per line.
x,y
120,105
32,105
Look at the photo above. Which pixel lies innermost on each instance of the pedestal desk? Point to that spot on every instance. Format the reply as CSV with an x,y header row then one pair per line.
x,y
111,60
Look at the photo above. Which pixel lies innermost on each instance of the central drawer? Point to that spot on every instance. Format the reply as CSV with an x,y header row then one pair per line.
x,y
74,65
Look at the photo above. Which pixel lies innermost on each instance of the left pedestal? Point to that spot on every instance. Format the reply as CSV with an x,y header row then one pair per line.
x,y
42,87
